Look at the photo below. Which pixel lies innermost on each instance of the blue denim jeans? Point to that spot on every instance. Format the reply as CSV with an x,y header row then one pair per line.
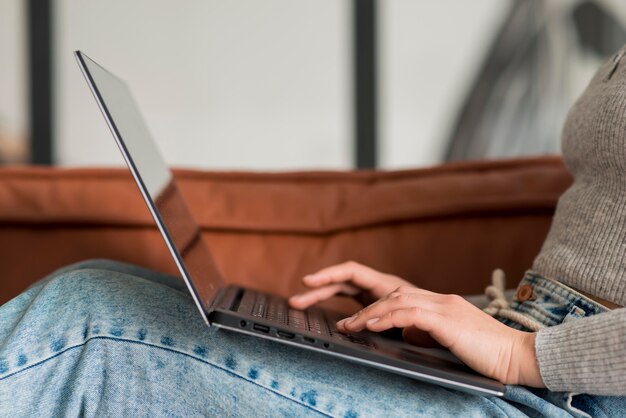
x,y
102,338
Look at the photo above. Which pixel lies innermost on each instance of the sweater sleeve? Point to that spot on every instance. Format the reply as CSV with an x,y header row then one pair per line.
x,y
587,355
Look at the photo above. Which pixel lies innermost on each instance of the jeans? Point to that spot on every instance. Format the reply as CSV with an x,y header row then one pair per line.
x,y
102,338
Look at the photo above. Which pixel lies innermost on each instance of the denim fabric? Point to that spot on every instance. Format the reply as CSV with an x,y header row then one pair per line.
x,y
109,339
552,302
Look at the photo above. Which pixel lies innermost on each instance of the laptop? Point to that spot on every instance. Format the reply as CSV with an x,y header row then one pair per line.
x,y
246,310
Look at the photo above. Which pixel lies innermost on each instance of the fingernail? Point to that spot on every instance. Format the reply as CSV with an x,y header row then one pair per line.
x,y
372,321
352,318
340,323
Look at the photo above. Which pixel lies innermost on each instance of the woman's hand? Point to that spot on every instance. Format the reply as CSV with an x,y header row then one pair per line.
x,y
483,343
350,279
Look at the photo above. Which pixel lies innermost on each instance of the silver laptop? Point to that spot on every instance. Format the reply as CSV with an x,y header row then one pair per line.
x,y
245,310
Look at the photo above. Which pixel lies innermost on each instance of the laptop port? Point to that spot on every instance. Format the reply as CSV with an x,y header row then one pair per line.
x,y
285,334
308,340
261,328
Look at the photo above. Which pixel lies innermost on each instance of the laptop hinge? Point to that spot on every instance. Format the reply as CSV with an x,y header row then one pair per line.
x,y
226,298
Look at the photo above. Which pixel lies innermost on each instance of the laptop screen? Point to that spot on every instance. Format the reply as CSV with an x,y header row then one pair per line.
x,y
156,182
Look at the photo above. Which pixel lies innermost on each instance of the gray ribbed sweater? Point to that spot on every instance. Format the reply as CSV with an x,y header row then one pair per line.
x,y
586,246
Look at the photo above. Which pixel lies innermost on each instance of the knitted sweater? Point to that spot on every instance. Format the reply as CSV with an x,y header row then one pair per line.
x,y
586,246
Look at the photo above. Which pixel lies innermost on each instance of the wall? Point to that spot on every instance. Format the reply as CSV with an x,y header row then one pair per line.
x,y
430,53
267,85
221,84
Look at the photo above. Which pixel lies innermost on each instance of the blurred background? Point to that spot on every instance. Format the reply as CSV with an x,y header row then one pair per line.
x,y
286,84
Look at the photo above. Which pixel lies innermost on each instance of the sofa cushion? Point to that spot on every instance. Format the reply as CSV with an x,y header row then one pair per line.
x,y
444,228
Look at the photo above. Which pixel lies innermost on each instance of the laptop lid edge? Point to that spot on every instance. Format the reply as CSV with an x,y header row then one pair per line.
x,y
204,311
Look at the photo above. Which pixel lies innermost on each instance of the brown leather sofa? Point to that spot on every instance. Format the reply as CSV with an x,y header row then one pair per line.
x,y
443,228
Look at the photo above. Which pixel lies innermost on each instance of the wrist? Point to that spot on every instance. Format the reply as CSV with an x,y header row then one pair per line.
x,y
527,365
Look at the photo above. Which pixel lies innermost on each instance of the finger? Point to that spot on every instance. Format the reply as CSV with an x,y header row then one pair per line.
x,y
314,296
361,275
410,289
420,338
357,320
398,293
382,307
402,295
417,317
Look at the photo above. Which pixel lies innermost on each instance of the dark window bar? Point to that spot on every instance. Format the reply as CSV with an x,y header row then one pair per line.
x,y
365,82
39,15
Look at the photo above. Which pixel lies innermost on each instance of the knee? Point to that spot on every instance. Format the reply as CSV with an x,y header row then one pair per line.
x,y
72,295
108,296
90,277
92,264
94,292
103,273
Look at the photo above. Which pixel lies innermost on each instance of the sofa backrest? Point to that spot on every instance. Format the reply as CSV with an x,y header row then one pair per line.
x,y
443,228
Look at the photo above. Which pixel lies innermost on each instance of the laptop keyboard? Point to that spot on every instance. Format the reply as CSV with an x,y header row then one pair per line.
x,y
276,309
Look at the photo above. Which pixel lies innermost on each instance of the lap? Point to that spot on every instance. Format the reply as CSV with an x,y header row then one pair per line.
x,y
103,338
